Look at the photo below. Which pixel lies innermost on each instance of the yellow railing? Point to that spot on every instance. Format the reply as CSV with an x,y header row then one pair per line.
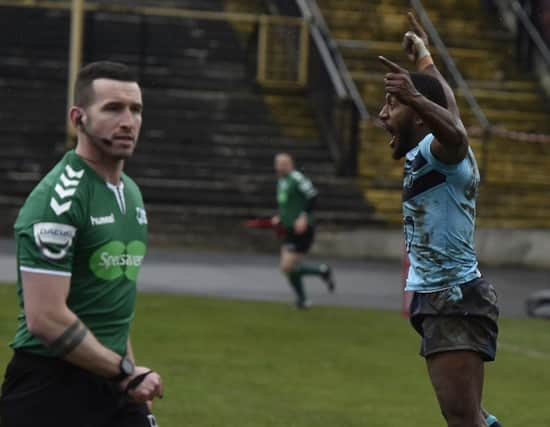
x,y
282,40
282,49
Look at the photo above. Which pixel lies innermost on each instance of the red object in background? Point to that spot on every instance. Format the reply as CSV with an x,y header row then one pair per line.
x,y
407,295
265,223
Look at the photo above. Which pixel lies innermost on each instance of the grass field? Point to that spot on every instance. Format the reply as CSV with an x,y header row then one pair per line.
x,y
239,364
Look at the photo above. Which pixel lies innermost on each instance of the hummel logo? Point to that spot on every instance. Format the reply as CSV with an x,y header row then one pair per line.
x,y
69,180
109,219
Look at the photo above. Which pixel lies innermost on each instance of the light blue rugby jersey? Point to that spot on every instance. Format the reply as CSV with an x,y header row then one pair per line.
x,y
439,210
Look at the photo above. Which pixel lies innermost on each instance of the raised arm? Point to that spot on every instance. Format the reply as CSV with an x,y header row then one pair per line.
x,y
415,43
451,142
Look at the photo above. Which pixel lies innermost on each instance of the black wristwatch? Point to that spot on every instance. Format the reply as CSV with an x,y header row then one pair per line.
x,y
126,369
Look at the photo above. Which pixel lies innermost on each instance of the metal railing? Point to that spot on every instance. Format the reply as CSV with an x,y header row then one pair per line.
x,y
338,114
283,50
450,64
531,30
343,70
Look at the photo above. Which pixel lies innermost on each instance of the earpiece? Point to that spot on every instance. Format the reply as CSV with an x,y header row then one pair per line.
x,y
94,138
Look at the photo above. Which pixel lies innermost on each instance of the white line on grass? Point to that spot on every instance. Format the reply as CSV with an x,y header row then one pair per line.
x,y
529,352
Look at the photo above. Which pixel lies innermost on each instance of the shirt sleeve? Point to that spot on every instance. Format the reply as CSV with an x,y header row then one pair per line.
x,y
46,235
426,151
305,186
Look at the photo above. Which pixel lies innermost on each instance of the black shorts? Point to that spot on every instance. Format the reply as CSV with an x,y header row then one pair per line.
x,y
299,243
463,318
47,392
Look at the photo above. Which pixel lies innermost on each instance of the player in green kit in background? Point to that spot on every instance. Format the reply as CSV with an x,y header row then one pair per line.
x,y
81,237
296,197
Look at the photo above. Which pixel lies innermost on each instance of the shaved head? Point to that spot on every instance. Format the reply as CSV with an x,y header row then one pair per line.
x,y
284,164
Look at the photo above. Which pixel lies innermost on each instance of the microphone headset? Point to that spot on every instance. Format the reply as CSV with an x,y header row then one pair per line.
x,y
94,138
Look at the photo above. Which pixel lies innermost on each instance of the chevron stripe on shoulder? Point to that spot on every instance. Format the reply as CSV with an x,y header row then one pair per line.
x,y
62,193
65,189
68,182
72,173
60,209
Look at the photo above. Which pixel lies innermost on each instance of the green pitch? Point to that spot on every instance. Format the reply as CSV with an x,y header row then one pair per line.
x,y
238,364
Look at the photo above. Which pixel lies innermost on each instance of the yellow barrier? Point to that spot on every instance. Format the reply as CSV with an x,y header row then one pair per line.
x,y
283,41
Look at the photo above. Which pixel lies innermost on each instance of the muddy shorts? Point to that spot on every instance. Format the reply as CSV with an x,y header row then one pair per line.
x,y
459,318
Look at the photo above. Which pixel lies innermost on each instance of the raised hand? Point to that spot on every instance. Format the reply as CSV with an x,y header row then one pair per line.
x,y
417,28
398,82
415,41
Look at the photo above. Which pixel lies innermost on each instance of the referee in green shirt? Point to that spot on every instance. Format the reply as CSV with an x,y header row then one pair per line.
x,y
296,197
81,239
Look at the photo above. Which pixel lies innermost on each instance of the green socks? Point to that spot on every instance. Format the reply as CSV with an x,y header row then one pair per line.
x,y
301,270
309,270
295,280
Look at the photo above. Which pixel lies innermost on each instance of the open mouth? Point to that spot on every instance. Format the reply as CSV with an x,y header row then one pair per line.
x,y
388,129
392,141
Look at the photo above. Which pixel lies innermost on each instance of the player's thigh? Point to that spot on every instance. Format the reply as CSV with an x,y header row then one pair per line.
x,y
289,259
457,378
134,415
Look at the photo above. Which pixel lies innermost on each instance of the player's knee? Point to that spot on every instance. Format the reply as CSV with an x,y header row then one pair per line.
x,y
286,268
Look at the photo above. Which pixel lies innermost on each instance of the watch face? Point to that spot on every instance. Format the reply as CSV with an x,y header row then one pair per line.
x,y
127,366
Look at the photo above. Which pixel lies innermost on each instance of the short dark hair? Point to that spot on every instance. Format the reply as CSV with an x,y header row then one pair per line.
x,y
430,87
83,91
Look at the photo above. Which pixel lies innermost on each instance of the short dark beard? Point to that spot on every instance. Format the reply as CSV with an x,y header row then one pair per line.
x,y
405,140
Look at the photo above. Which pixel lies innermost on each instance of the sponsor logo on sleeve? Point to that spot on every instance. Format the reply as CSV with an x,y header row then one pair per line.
x,y
53,240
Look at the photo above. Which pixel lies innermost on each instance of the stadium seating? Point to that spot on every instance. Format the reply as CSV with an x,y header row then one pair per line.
x,y
204,160
205,156
517,173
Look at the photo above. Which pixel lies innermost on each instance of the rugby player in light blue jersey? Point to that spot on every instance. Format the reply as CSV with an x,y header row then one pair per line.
x,y
454,309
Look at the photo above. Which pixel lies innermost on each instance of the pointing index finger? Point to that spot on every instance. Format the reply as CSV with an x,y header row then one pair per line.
x,y
392,66
416,26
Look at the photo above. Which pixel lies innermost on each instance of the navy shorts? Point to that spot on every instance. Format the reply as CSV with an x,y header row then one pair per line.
x,y
299,243
459,318
40,391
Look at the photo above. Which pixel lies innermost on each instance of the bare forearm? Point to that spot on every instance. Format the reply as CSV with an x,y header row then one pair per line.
x,y
130,351
433,71
93,356
69,339
446,127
